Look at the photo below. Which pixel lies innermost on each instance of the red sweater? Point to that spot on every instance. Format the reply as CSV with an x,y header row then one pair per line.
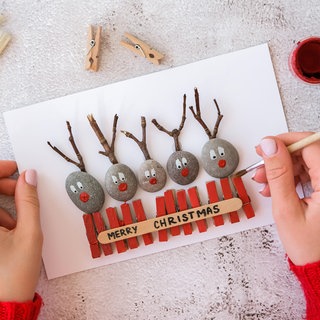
x,y
308,275
21,311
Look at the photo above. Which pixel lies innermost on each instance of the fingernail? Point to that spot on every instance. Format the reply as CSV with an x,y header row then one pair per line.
x,y
31,177
268,146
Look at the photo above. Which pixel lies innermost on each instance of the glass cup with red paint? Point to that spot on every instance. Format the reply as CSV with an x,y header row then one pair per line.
x,y
305,60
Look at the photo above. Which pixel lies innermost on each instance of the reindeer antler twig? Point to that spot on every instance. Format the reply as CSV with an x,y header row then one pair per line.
x,y
175,132
143,143
108,150
197,116
79,164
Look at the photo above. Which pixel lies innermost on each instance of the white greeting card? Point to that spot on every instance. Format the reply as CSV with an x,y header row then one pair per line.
x,y
242,82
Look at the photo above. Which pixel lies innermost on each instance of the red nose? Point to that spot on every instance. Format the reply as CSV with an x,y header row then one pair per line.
x,y
123,186
222,163
84,197
153,181
185,172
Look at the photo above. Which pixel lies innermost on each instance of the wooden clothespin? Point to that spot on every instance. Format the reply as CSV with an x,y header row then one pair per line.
x,y
141,48
93,46
4,36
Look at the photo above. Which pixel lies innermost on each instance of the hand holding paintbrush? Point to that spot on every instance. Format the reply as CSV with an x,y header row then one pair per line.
x,y
298,220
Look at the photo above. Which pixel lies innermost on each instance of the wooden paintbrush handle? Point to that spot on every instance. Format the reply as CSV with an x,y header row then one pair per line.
x,y
304,142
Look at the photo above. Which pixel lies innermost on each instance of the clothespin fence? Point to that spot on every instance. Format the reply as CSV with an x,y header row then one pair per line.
x,y
176,212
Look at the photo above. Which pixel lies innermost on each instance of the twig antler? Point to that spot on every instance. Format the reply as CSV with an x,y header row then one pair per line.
x,y
175,132
197,116
143,143
108,150
79,164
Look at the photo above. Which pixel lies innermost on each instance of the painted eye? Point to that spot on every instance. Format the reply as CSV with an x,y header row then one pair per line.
x,y
147,174
73,189
79,184
122,177
184,162
115,179
178,164
153,172
221,151
213,155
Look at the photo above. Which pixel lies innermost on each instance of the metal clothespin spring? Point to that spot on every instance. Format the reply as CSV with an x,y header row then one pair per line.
x,y
138,47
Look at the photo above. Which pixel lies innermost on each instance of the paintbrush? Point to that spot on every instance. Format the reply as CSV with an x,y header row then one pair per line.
x,y
291,148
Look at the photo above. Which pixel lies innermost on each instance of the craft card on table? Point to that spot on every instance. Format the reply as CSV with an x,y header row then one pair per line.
x,y
244,85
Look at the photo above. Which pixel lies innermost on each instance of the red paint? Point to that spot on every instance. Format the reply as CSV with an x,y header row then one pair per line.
x,y
185,172
169,200
84,197
100,226
127,219
183,205
222,163
195,202
153,181
305,60
161,211
227,193
91,235
123,186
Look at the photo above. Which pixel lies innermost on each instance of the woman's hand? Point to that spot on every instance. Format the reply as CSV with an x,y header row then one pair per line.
x,y
20,240
297,220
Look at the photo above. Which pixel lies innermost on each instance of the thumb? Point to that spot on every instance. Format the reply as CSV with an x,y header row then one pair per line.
x,y
279,172
27,202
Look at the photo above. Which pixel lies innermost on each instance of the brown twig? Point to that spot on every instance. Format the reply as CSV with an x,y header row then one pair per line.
x,y
108,150
79,164
175,132
143,143
197,116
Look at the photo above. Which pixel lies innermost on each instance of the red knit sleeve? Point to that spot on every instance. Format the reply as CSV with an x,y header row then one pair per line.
x,y
21,311
309,276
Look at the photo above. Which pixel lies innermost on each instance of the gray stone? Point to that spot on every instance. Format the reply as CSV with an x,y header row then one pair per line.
x,y
219,158
120,182
85,191
182,167
152,176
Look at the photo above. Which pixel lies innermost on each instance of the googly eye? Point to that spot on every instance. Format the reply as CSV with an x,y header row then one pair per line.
x,y
221,151
213,155
79,184
178,164
147,174
153,172
73,189
114,179
184,161
122,176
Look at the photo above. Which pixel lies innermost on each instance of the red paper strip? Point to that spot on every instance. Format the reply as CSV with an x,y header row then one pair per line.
x,y
115,223
141,216
127,218
91,235
171,208
195,202
227,193
183,205
161,211
100,226
213,197
241,190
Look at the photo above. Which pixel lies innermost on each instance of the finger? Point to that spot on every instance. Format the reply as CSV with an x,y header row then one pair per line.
x,y
7,168
7,186
6,220
27,204
279,173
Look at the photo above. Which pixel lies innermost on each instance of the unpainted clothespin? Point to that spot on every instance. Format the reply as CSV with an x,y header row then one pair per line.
x,y
141,48
4,36
93,46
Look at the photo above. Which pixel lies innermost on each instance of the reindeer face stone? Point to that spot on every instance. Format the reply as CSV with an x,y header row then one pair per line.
x,y
152,176
182,167
121,183
85,191
220,158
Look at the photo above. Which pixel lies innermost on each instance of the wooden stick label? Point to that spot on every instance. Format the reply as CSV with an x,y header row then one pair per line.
x,y
167,221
